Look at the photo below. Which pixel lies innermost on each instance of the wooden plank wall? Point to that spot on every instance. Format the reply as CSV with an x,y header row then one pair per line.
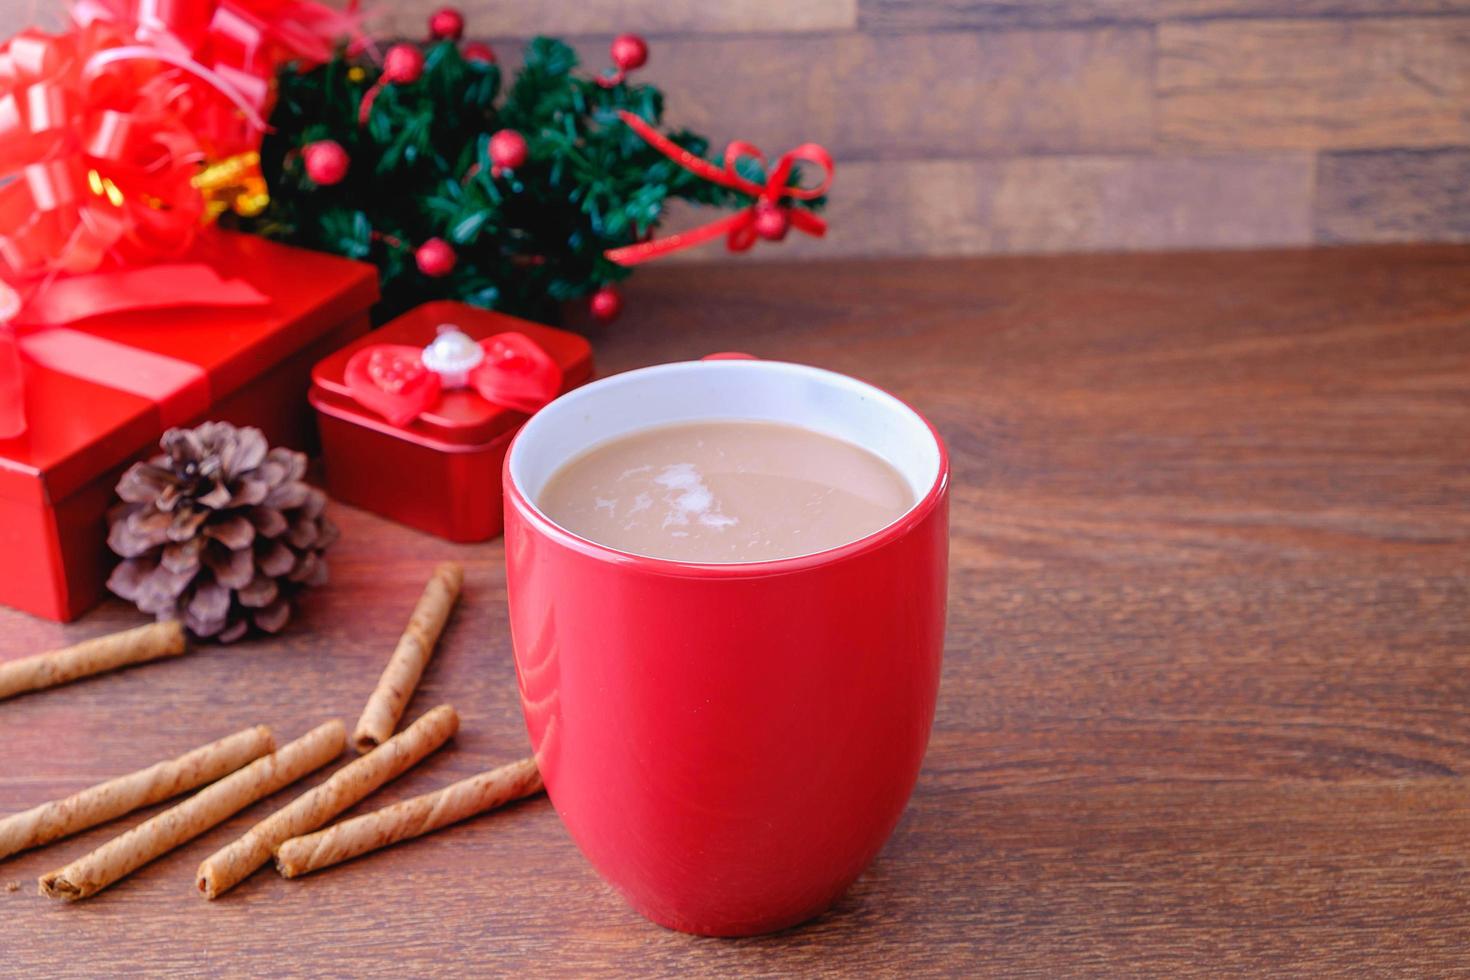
x,y
971,126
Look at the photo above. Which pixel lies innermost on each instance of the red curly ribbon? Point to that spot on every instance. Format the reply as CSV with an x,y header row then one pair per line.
x,y
102,164
233,47
103,130
103,127
739,228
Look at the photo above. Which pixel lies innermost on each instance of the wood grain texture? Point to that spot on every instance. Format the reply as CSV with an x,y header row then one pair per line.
x,y
520,19
1355,83
911,15
1006,126
1058,204
1394,196
1203,704
905,96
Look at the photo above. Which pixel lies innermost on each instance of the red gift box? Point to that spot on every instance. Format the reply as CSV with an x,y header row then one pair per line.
x,y
439,472
249,365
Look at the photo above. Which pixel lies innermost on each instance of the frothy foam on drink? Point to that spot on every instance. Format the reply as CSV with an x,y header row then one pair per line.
x,y
688,497
725,492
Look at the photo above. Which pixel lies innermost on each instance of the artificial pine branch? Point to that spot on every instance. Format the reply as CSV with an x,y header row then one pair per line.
x,y
422,166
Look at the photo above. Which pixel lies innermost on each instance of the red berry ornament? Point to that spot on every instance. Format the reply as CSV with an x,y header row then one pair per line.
x,y
629,51
326,162
446,22
507,150
479,51
606,304
403,64
771,221
435,258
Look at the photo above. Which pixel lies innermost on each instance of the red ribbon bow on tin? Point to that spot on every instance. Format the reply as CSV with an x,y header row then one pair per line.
x,y
766,217
401,383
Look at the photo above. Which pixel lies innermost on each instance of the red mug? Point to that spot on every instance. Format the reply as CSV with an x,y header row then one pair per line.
x,y
729,744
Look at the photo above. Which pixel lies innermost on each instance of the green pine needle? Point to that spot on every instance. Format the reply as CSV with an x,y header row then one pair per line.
x,y
527,241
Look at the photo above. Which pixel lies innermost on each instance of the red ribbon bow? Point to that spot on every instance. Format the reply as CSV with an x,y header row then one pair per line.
x,y
104,127
101,164
741,228
103,130
233,46
393,380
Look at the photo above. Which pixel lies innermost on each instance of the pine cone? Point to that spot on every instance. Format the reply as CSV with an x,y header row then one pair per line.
x,y
219,532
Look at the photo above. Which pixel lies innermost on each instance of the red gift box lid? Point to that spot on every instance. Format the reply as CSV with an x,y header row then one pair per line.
x,y
462,419
77,429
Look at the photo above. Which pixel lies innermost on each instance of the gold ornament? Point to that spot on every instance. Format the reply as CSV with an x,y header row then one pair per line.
x,y
233,184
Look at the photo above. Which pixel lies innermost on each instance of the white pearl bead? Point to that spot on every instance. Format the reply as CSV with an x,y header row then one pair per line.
x,y
452,356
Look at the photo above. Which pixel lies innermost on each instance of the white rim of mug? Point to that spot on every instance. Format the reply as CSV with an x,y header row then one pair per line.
x,y
910,518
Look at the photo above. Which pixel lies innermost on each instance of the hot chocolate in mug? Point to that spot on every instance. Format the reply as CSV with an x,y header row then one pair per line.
x,y
729,744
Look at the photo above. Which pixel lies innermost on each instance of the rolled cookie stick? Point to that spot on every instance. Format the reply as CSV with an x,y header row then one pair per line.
x,y
106,801
122,855
409,819
385,705
134,646
234,862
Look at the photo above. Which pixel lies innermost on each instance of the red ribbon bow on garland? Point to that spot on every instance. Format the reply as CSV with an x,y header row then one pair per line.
x,y
398,382
766,217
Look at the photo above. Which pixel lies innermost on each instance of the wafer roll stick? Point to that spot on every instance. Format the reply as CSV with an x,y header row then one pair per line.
x,y
385,705
409,819
134,646
106,801
234,862
122,855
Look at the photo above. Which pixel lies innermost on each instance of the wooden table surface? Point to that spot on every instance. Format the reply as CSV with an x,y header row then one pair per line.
x,y
1204,703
